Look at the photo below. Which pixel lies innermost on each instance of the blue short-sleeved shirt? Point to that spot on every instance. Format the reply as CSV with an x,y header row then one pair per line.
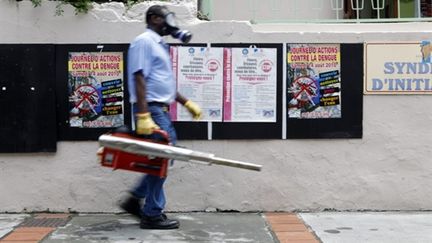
x,y
148,54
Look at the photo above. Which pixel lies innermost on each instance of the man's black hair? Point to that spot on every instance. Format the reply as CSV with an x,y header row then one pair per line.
x,y
157,10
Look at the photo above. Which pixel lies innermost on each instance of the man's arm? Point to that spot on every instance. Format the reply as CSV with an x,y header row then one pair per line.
x,y
180,98
140,87
145,124
192,107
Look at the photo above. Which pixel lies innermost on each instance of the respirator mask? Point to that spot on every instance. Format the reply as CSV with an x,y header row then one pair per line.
x,y
171,28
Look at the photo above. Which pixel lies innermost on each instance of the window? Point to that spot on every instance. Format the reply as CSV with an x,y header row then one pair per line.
x,y
426,8
318,11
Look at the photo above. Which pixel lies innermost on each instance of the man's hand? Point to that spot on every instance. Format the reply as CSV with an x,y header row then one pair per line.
x,y
145,124
194,109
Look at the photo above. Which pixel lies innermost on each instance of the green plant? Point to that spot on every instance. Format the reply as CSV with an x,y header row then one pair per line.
x,y
82,6
36,2
202,16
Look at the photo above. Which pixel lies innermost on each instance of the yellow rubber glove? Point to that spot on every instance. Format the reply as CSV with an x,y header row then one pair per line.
x,y
145,124
194,109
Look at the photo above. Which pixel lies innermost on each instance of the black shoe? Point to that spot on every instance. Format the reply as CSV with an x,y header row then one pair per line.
x,y
132,205
159,222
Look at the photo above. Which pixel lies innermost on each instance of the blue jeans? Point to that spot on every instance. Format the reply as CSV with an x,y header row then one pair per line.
x,y
151,187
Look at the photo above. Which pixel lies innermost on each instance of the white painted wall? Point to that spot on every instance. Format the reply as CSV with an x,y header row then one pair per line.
x,y
272,10
389,169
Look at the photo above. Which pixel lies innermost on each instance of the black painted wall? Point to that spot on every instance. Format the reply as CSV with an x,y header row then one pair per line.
x,y
27,98
34,101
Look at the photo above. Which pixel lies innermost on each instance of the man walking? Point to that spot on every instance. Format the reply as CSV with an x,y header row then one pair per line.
x,y
152,89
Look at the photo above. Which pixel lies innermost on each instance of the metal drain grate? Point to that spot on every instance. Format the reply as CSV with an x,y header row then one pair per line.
x,y
44,222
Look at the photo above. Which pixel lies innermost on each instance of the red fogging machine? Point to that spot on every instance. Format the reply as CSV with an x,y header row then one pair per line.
x,y
123,150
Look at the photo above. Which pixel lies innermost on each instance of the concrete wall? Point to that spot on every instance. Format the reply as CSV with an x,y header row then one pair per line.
x,y
389,169
271,9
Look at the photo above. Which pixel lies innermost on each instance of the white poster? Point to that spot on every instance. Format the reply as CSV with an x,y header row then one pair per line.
x,y
199,73
250,85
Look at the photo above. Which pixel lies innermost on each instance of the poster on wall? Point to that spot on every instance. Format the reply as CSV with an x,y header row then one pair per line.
x,y
250,84
398,68
313,81
199,75
95,89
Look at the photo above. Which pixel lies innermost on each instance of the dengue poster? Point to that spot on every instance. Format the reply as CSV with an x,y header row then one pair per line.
x,y
199,74
250,85
313,81
95,87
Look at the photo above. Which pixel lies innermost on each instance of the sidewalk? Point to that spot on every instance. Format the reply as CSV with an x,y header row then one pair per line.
x,y
327,227
122,228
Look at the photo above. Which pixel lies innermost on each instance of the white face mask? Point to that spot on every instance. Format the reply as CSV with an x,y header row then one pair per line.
x,y
171,28
170,20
